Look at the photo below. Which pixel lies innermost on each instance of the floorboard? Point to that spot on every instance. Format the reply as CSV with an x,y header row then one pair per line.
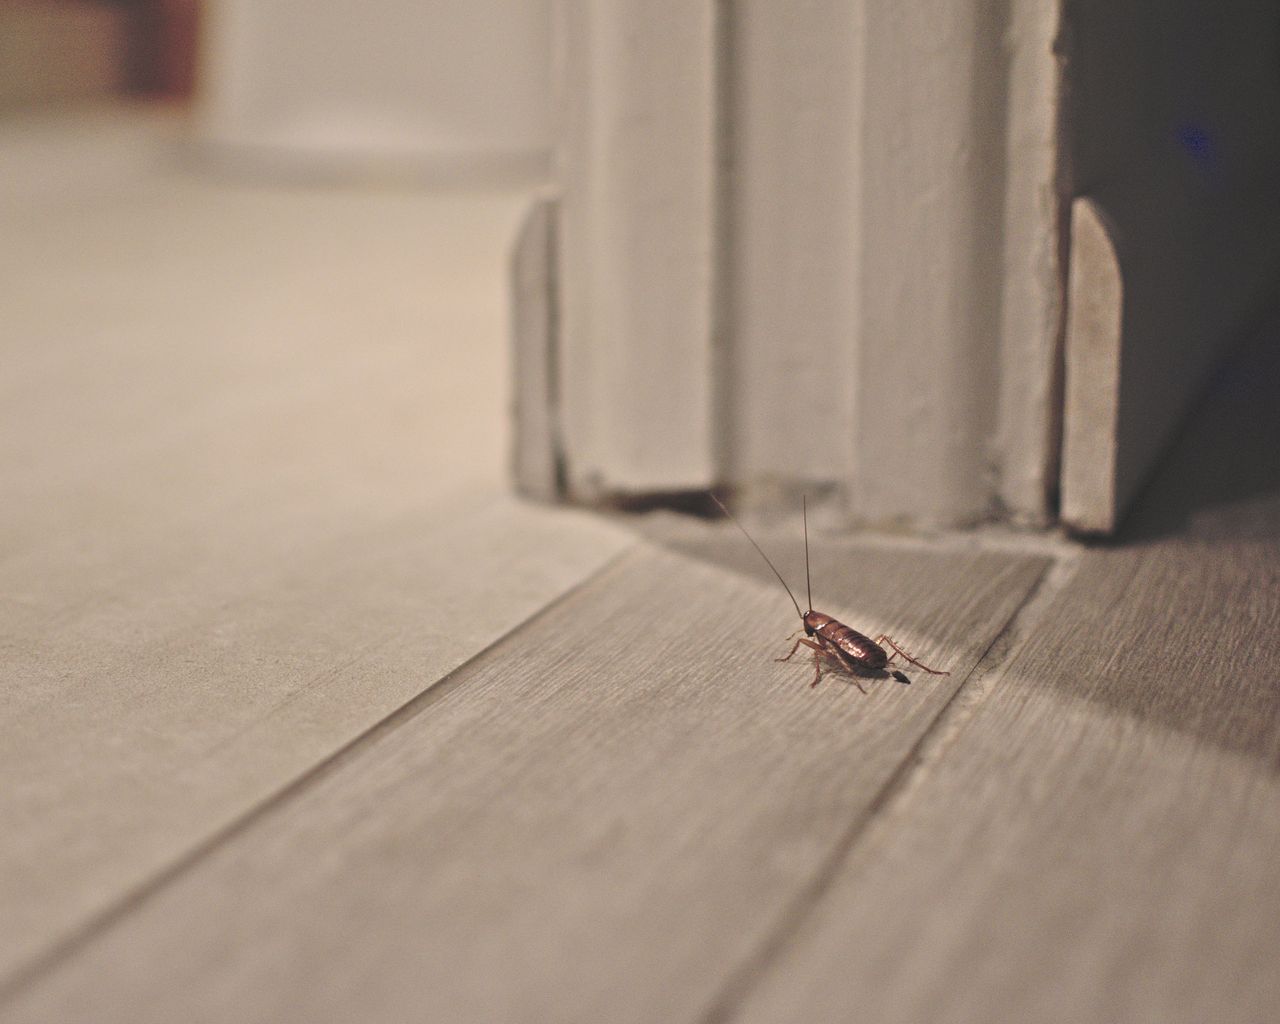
x,y
1099,838
305,720
602,818
252,464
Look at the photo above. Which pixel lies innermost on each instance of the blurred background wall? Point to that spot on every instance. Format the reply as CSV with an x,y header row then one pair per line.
x,y
839,219
59,50
452,85
433,84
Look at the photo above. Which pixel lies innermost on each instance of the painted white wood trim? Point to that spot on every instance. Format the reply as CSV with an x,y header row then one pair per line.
x,y
792,231
932,146
1172,135
1092,393
1032,270
636,165
812,244
536,393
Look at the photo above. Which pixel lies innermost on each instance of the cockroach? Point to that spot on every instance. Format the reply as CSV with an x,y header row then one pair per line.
x,y
827,636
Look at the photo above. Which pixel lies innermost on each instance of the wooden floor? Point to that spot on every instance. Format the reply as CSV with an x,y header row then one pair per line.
x,y
307,720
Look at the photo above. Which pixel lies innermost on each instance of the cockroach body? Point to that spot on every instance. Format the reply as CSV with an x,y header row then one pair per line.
x,y
827,636
862,649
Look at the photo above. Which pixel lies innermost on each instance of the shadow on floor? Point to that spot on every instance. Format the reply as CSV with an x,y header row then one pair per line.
x,y
1174,622
1221,478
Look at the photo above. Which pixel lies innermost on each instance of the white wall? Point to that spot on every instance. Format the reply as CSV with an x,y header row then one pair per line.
x,y
447,83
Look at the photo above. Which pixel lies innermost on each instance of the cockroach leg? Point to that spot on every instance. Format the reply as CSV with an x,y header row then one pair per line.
x,y
817,669
819,652
826,650
885,638
794,647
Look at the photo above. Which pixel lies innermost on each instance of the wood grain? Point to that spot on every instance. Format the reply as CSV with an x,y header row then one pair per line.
x,y
600,819
1099,838
238,527
132,736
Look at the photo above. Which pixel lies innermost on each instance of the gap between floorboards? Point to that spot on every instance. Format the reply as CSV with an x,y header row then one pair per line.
x,y
927,752
67,947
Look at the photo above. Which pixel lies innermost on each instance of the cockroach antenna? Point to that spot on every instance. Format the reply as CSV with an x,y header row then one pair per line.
x,y
764,556
804,514
831,641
